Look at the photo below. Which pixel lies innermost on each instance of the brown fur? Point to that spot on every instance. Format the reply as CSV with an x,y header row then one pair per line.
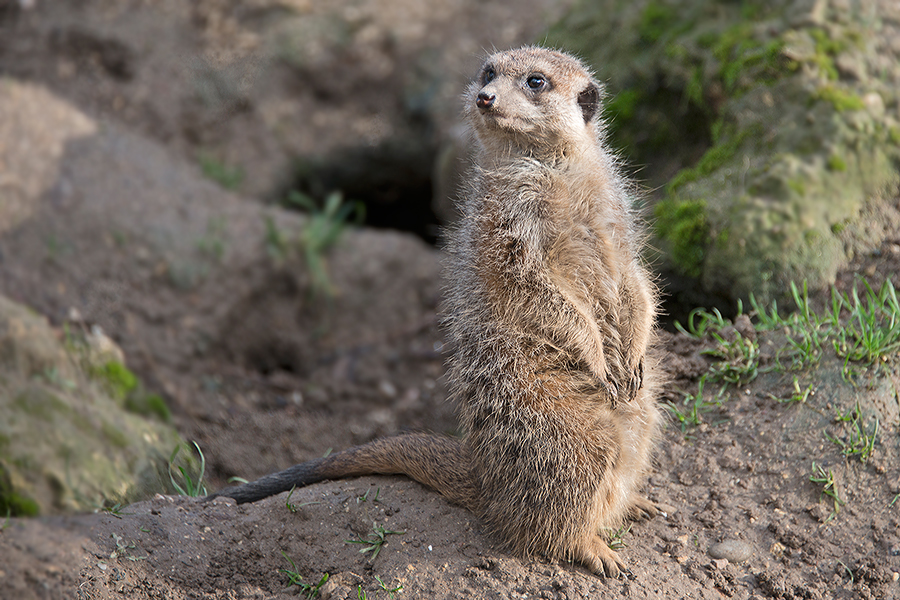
x,y
550,312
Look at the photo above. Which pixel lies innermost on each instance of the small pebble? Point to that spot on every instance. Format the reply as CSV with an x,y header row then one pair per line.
x,y
720,563
733,550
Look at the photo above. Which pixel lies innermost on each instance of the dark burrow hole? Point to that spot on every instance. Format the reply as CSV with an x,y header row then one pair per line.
x,y
393,181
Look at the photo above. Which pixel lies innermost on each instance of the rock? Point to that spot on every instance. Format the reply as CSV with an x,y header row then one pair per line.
x,y
65,444
791,121
734,551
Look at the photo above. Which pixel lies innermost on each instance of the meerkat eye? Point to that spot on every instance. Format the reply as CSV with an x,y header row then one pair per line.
x,y
488,75
536,82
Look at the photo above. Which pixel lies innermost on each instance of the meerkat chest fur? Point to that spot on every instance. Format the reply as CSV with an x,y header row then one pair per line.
x,y
550,311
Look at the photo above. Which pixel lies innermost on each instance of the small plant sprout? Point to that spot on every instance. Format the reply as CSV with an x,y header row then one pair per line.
x,y
799,396
115,510
365,497
56,379
190,488
849,572
276,242
767,320
689,413
287,501
826,479
374,541
322,229
310,590
123,549
872,333
617,538
384,586
228,177
213,242
700,321
738,359
859,441
294,507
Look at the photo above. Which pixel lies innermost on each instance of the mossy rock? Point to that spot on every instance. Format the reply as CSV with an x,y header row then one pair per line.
x,y
67,442
778,119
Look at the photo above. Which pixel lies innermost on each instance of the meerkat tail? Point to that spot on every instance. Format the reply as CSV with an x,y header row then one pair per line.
x,y
441,463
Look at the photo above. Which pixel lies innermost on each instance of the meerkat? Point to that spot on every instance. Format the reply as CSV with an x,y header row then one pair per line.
x,y
550,313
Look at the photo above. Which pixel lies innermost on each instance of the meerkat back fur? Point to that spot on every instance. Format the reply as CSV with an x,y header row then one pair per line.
x,y
550,313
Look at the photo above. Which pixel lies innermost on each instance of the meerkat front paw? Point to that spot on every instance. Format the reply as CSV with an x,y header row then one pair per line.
x,y
599,369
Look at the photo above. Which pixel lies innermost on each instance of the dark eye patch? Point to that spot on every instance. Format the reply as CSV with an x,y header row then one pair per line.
x,y
589,101
488,75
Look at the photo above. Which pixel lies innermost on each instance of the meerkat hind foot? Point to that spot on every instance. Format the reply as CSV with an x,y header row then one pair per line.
x,y
641,509
601,559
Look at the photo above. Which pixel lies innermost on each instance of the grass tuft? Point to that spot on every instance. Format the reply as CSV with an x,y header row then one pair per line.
x,y
826,479
191,488
858,441
690,412
374,541
310,590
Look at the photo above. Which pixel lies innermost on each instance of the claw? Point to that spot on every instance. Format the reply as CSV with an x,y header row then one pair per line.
x,y
613,393
641,509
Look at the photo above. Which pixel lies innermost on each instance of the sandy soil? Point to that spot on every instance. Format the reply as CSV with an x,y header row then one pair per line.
x,y
262,378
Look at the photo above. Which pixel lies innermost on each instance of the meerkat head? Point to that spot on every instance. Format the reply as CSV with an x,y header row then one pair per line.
x,y
535,101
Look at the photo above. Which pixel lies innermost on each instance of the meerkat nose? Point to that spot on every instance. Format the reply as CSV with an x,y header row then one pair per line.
x,y
484,100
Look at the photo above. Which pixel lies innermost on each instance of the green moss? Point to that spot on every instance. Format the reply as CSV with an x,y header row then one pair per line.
x,y
827,48
836,163
13,502
841,100
797,186
711,160
683,224
743,58
694,89
723,237
656,20
18,505
149,405
117,378
621,107
894,134
707,39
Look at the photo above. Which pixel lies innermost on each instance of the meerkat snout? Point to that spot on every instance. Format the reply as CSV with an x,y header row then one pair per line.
x,y
485,101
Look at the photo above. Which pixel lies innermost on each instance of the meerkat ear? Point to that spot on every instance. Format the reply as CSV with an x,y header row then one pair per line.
x,y
589,101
